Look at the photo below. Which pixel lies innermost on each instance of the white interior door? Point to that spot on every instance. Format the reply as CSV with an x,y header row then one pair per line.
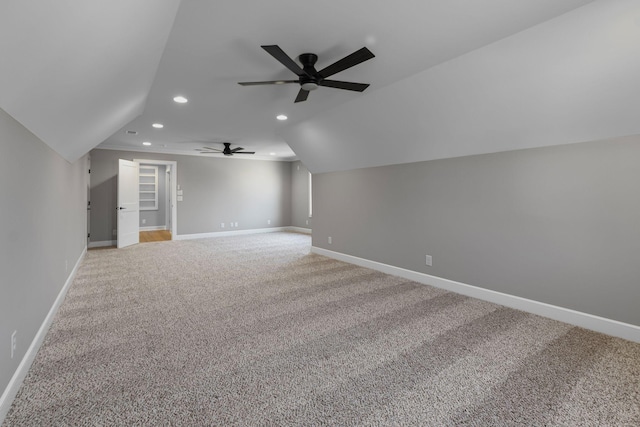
x,y
88,200
168,198
128,209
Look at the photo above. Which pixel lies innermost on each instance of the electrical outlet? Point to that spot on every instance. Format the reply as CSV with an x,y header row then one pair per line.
x,y
329,239
144,221
268,222
307,222
222,225
14,342
236,226
428,260
115,232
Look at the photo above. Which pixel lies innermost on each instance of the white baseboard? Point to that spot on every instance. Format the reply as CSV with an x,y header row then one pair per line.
x,y
153,228
299,230
23,368
588,321
106,243
103,244
229,233
241,232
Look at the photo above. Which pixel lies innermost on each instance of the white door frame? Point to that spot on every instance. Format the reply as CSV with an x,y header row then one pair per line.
x,y
173,176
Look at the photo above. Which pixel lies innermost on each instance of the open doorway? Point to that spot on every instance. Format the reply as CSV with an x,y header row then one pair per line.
x,y
158,210
154,236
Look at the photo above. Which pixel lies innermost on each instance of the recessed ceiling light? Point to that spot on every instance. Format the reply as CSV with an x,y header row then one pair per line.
x,y
146,143
281,117
180,99
273,154
158,125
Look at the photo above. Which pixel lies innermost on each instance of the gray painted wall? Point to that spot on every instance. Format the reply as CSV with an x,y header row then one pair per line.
x,y
300,195
43,234
157,218
216,190
560,225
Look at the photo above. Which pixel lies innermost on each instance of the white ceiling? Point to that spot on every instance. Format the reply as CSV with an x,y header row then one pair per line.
x,y
73,71
571,79
450,77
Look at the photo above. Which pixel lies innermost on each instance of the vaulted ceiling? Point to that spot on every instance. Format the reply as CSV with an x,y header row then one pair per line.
x,y
450,77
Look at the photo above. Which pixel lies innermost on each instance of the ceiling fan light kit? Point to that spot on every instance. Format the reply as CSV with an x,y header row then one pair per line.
x,y
309,78
309,86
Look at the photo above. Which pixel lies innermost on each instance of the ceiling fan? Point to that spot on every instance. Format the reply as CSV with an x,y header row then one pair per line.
x,y
227,151
308,78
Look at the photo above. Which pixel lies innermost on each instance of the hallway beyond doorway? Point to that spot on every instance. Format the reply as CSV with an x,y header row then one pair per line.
x,y
155,236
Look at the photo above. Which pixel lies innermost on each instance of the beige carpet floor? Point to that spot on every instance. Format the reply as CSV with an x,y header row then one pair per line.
x,y
257,331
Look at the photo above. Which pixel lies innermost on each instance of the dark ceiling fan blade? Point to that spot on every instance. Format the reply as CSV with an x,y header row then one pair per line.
x,y
237,149
358,87
276,52
209,149
271,82
302,95
348,61
244,152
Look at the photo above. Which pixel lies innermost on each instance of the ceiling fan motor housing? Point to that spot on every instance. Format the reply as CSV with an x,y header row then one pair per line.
x,y
312,79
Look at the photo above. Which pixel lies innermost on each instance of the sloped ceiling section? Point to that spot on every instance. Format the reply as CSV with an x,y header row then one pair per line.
x,y
571,79
215,44
74,72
